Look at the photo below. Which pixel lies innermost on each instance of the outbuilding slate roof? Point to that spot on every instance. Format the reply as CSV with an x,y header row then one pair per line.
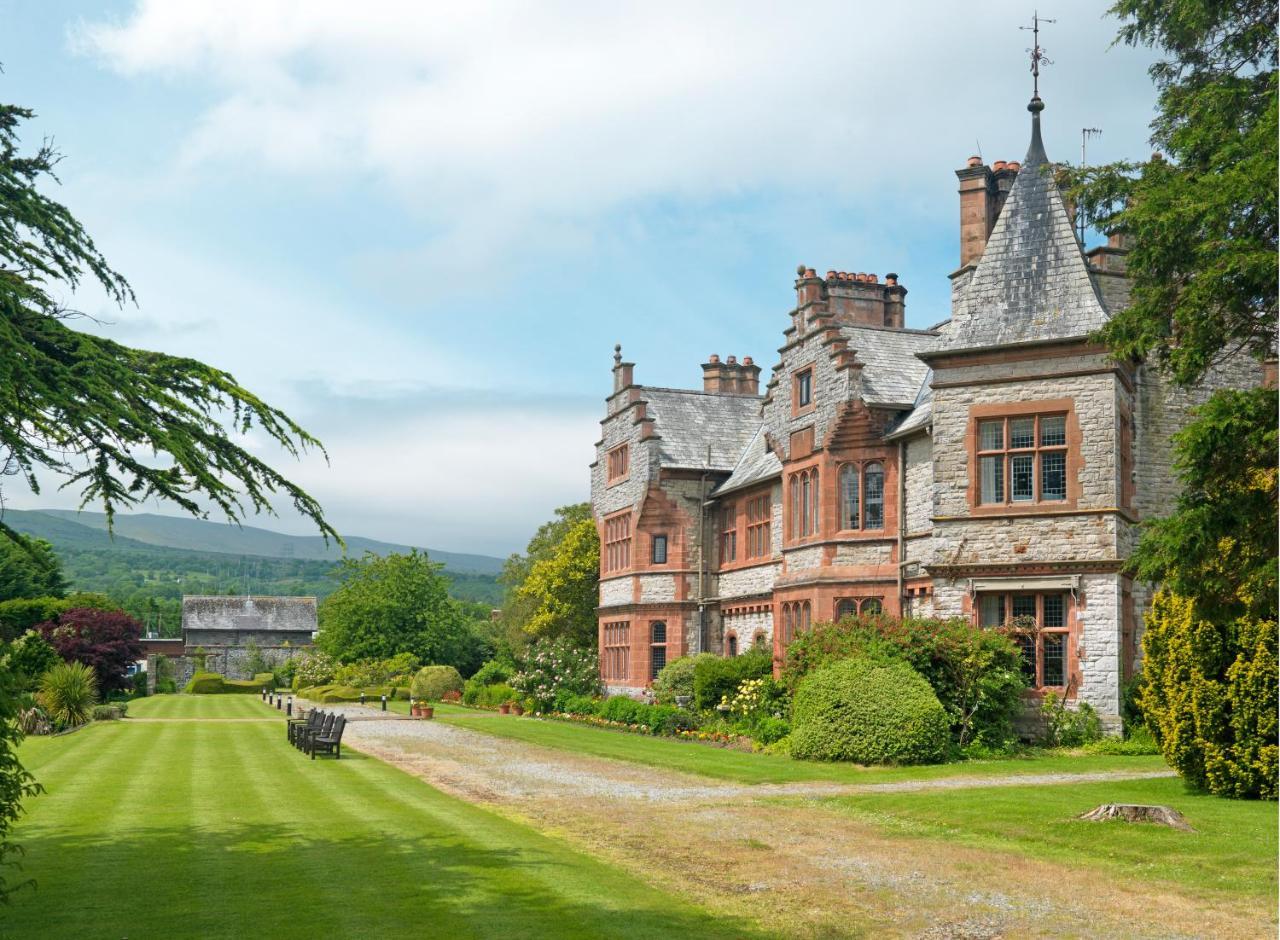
x,y
223,612
686,422
1032,282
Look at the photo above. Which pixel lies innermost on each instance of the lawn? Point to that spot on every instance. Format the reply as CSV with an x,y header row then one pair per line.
x,y
220,829
1231,853
744,767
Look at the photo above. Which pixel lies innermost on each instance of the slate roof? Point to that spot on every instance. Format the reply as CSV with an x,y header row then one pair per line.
x,y
757,463
687,421
893,372
1032,282
921,412
222,612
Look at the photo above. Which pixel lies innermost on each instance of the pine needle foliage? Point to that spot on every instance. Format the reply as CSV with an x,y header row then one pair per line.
x,y
123,425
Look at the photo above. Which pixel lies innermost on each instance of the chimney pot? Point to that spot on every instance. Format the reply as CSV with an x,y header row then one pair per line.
x,y
891,279
732,360
714,357
809,272
1013,165
747,361
800,270
831,275
975,160
998,165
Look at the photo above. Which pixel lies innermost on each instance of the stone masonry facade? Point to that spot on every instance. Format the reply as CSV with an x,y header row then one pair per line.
x,y
994,467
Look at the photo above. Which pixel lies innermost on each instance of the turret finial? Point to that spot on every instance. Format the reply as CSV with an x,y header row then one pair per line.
x,y
617,354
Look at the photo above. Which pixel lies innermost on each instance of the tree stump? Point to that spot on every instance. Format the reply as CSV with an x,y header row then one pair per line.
x,y
1137,812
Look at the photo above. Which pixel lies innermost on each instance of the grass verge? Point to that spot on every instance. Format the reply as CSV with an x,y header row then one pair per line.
x,y
217,829
1231,853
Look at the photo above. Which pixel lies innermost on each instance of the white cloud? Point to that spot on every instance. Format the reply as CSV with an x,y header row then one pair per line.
x,y
497,117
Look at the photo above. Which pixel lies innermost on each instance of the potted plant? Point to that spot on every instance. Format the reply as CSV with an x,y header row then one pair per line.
x,y
504,708
517,708
426,711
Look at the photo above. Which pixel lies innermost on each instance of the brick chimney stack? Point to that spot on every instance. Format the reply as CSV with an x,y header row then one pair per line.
x,y
983,190
730,377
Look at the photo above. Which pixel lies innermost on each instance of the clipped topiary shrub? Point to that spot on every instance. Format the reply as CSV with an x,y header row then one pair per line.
x,y
621,709
204,683
430,683
107,713
868,712
715,677
340,693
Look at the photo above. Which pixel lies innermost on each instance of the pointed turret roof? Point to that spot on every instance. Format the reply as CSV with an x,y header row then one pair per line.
x,y
1032,282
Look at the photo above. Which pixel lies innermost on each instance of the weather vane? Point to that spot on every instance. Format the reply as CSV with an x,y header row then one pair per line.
x,y
1037,53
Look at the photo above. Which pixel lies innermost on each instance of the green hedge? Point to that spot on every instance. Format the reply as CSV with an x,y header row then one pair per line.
x,y
715,677
868,712
212,683
676,678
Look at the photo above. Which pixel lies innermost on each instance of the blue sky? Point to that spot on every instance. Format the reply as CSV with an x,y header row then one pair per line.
x,y
421,227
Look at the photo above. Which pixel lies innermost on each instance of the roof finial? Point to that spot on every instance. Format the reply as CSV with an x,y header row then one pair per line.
x,y
617,354
1035,153
1037,56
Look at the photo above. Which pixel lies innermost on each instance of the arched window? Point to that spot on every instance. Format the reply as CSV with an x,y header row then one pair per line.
x,y
872,605
804,616
850,498
797,510
806,507
813,504
787,624
732,644
757,641
846,608
658,648
873,489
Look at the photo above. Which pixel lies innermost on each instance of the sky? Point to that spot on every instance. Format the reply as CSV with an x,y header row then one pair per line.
x,y
421,227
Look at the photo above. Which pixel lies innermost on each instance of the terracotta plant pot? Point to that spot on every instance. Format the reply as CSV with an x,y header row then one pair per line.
x,y
517,709
416,711
504,709
426,711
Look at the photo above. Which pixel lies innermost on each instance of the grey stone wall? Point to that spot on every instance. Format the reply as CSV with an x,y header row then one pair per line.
x,y
746,626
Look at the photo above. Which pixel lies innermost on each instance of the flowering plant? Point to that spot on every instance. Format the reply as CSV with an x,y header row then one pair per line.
x,y
553,666
755,698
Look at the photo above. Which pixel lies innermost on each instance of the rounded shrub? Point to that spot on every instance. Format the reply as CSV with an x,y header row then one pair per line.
x,y
430,683
868,712
204,683
676,678
340,693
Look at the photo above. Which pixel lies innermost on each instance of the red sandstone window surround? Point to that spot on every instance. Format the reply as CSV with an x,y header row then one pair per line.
x,y
658,550
657,648
1039,625
617,650
728,534
617,542
619,463
759,513
852,606
1022,460
803,393
862,496
804,503
796,616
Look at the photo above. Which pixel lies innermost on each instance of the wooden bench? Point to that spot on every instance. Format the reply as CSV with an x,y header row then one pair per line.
x,y
329,742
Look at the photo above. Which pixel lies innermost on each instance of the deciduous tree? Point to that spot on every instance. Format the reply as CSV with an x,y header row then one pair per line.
x,y
106,640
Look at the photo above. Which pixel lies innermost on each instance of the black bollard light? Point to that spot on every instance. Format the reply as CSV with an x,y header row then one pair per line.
x,y
361,698
271,698
288,709
279,702
384,703
263,695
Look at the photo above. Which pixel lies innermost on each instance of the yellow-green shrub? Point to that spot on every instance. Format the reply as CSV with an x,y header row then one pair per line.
x,y
430,683
1209,697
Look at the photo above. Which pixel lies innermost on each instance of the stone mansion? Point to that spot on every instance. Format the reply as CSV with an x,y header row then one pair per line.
x,y
996,465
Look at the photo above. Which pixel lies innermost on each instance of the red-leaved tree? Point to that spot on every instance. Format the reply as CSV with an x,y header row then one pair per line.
x,y
107,640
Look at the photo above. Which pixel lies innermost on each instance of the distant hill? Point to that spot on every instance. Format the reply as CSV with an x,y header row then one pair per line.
x,y
133,531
